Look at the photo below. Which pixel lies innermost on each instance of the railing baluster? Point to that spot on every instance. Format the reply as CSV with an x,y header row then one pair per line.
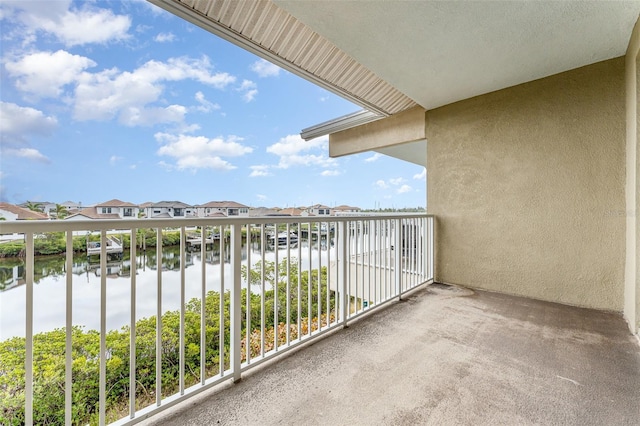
x,y
103,328
132,324
288,332
68,385
276,299
327,286
28,365
341,285
263,243
310,280
221,353
248,298
159,316
319,238
183,261
299,308
203,304
236,310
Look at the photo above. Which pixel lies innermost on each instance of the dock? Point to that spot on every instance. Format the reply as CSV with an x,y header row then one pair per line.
x,y
114,246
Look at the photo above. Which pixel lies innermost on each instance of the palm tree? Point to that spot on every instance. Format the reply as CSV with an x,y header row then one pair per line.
x,y
35,207
61,211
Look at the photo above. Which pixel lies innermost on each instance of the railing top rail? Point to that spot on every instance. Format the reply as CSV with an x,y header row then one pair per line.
x,y
20,226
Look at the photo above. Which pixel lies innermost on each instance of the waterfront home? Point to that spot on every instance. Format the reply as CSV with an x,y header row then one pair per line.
x,y
112,209
45,207
318,210
344,209
13,212
168,209
227,208
71,206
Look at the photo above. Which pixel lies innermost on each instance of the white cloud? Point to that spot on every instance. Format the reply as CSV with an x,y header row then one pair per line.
x,y
200,152
205,105
292,152
265,68
373,158
249,89
165,37
403,189
294,144
45,74
17,123
136,116
114,159
330,173
28,153
397,181
261,197
260,171
110,93
381,184
422,175
72,27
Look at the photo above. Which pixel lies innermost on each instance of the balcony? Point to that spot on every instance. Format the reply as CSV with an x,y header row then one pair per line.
x,y
256,297
445,355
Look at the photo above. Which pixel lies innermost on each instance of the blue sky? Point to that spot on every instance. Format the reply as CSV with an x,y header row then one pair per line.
x,y
119,99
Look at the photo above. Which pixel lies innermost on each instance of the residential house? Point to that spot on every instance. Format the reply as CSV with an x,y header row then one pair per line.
x,y
13,212
263,211
168,209
318,210
226,208
44,206
71,205
112,209
344,210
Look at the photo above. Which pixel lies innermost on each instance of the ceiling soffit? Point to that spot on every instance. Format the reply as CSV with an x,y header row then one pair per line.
x,y
270,32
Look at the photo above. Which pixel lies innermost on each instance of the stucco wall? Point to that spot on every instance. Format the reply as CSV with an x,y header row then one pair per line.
x,y
529,187
637,185
632,270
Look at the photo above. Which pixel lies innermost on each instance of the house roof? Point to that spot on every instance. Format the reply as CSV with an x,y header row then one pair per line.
x,y
319,206
23,213
291,211
116,203
223,205
92,213
178,204
346,208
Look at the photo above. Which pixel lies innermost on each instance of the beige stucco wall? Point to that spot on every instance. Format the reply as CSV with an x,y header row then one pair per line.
x,y
632,270
398,129
528,184
637,185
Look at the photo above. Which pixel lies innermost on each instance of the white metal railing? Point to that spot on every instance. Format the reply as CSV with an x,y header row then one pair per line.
x,y
270,294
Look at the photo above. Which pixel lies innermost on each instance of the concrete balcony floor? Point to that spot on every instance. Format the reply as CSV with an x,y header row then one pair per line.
x,y
444,355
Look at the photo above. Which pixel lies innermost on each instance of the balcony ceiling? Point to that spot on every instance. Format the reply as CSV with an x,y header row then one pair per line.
x,y
389,56
437,53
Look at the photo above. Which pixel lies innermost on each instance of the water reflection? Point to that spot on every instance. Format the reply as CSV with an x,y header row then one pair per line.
x,y
50,285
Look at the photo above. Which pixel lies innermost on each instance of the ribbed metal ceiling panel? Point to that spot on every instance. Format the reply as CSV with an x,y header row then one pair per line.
x,y
275,32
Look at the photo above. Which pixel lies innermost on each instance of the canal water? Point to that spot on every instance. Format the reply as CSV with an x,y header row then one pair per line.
x,y
50,285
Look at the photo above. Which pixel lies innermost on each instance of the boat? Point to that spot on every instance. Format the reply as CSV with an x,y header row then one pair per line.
x,y
283,239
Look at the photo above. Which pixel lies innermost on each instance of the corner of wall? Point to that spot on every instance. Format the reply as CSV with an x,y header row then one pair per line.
x,y
632,267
